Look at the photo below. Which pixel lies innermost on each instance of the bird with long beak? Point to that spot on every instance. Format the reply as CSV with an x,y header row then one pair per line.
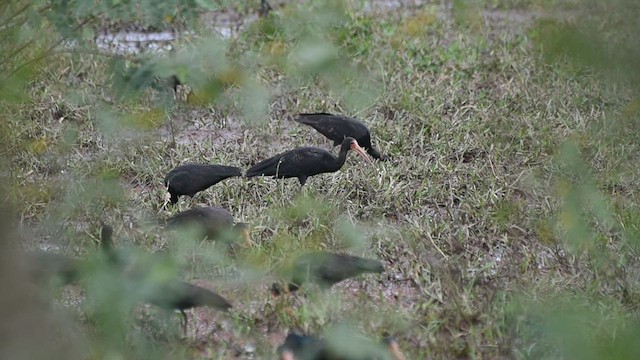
x,y
337,127
303,162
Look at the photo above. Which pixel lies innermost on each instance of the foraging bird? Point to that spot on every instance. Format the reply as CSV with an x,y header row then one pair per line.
x,y
326,269
192,178
210,222
336,128
303,162
43,265
303,347
180,295
172,294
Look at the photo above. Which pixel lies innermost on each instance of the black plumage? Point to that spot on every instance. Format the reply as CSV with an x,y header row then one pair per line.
x,y
190,179
303,162
264,8
305,347
327,269
181,295
336,128
171,294
44,266
211,222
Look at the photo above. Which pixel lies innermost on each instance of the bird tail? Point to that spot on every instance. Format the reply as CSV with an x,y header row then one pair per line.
x,y
264,167
370,265
216,301
311,118
231,171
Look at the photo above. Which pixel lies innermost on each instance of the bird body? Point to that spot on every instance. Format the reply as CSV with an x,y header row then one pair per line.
x,y
303,162
304,347
213,217
181,295
47,265
211,222
336,128
190,179
327,269
172,294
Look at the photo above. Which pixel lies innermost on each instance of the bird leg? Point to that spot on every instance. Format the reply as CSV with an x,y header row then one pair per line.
x,y
167,199
184,322
265,8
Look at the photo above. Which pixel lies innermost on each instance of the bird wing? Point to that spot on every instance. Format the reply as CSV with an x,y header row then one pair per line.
x,y
297,162
335,127
192,178
329,268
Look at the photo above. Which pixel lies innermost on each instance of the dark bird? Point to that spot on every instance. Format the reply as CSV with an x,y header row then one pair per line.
x,y
106,244
47,266
210,222
303,162
172,294
190,179
304,347
336,128
326,269
180,295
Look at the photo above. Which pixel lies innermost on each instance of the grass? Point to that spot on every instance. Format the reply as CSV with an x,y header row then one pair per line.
x,y
483,214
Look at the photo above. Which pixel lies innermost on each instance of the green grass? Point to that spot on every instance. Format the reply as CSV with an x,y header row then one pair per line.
x,y
484,213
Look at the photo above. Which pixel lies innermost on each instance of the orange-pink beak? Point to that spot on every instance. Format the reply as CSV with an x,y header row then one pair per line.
x,y
287,355
355,147
395,351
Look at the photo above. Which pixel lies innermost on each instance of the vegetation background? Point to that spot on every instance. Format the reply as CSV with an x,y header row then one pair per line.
x,y
507,217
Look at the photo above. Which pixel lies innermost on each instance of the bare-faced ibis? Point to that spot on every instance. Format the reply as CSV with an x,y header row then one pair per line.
x,y
171,294
336,128
304,347
326,269
180,295
303,162
209,221
190,179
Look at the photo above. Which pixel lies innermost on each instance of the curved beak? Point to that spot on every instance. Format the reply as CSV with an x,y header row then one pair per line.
x,y
395,351
355,147
287,355
247,237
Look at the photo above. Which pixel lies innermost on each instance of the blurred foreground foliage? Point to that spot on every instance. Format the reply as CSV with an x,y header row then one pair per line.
x,y
319,42
596,221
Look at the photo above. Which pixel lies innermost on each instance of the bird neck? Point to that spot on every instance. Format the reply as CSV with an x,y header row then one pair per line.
x,y
342,157
374,153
